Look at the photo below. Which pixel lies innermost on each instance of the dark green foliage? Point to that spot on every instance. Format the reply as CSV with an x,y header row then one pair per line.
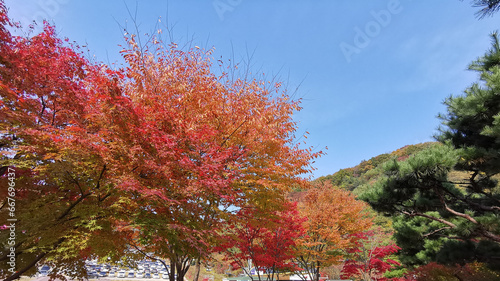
x,y
463,252
409,185
492,56
416,248
444,197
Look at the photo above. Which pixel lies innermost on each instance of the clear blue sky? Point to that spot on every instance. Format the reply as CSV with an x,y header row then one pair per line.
x,y
372,74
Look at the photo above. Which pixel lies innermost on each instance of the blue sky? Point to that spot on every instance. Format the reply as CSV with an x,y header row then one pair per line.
x,y
372,74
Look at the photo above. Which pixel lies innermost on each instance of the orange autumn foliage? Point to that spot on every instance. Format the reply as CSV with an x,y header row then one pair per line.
x,y
201,145
333,216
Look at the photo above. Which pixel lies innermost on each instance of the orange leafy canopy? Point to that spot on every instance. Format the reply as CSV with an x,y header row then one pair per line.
x,y
199,146
333,216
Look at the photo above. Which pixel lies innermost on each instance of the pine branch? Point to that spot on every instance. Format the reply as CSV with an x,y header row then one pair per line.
x,y
435,231
413,214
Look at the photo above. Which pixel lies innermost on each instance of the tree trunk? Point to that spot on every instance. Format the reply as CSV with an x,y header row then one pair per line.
x,y
197,270
172,270
317,271
182,267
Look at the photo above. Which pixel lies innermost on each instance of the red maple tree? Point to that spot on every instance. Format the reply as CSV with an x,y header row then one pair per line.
x,y
369,258
269,243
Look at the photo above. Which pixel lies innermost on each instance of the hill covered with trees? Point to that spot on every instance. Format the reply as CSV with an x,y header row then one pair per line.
x,y
360,177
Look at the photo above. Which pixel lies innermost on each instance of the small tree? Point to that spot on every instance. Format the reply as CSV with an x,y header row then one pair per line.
x,y
369,259
333,216
202,146
264,243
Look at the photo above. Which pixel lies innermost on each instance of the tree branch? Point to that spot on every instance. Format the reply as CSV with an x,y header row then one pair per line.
x,y
100,177
151,257
436,231
481,230
467,201
80,199
76,182
462,215
413,214
230,135
18,252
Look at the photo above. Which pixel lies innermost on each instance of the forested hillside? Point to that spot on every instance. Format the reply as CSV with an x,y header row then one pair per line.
x,y
358,178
